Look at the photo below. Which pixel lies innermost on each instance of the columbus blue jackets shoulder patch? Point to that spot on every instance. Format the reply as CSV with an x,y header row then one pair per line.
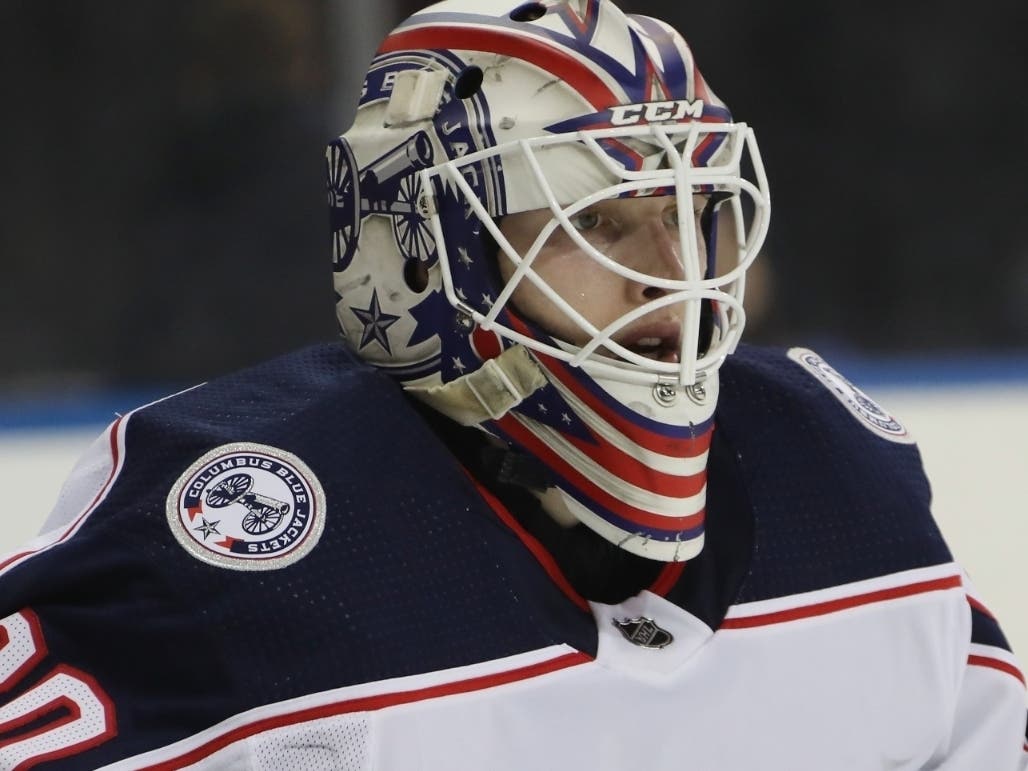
x,y
862,406
247,507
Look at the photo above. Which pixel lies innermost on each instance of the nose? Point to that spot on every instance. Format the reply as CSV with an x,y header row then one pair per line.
x,y
655,249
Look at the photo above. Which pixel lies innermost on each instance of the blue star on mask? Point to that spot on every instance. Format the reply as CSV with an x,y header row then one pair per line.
x,y
375,323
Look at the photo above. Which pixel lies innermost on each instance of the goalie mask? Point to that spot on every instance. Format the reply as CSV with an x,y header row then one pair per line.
x,y
475,111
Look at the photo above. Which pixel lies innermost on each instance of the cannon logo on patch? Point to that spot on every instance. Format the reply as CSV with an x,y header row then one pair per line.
x,y
247,507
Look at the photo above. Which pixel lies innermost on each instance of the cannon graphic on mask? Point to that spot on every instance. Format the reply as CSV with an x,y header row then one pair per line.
x,y
263,513
387,186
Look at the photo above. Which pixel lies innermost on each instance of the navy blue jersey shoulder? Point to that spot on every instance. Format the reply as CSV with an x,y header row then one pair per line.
x,y
413,571
832,501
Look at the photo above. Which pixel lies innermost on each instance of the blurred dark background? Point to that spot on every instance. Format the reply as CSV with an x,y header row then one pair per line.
x,y
163,216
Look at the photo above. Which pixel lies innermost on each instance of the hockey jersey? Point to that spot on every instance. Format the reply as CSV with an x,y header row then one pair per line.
x,y
287,569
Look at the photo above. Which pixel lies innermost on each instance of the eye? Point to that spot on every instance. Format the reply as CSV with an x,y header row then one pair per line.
x,y
585,220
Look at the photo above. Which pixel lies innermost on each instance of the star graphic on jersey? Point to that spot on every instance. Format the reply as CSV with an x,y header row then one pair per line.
x,y
566,418
542,408
208,528
460,293
459,365
375,322
487,301
464,257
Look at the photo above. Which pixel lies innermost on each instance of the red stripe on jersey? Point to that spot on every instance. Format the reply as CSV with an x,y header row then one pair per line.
x,y
115,455
367,704
1002,666
537,447
668,577
548,58
538,550
844,603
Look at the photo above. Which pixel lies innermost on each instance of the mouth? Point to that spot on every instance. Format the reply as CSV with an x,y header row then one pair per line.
x,y
656,349
659,342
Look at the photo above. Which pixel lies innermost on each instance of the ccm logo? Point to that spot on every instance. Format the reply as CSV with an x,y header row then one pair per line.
x,y
655,112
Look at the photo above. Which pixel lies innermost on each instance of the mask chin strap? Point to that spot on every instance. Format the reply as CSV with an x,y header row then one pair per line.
x,y
488,393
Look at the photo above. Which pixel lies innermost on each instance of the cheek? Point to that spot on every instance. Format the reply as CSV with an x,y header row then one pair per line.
x,y
571,275
580,282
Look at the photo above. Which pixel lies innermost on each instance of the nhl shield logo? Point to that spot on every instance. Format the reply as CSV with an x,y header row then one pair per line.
x,y
644,632
247,507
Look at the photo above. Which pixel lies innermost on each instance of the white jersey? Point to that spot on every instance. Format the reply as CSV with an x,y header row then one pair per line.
x,y
861,677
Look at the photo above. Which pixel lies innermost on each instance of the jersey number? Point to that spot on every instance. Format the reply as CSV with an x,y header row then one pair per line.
x,y
64,713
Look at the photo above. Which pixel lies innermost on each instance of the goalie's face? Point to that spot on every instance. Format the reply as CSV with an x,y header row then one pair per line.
x,y
645,235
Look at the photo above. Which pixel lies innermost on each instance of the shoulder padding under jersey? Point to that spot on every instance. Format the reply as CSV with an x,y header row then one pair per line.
x,y
834,500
